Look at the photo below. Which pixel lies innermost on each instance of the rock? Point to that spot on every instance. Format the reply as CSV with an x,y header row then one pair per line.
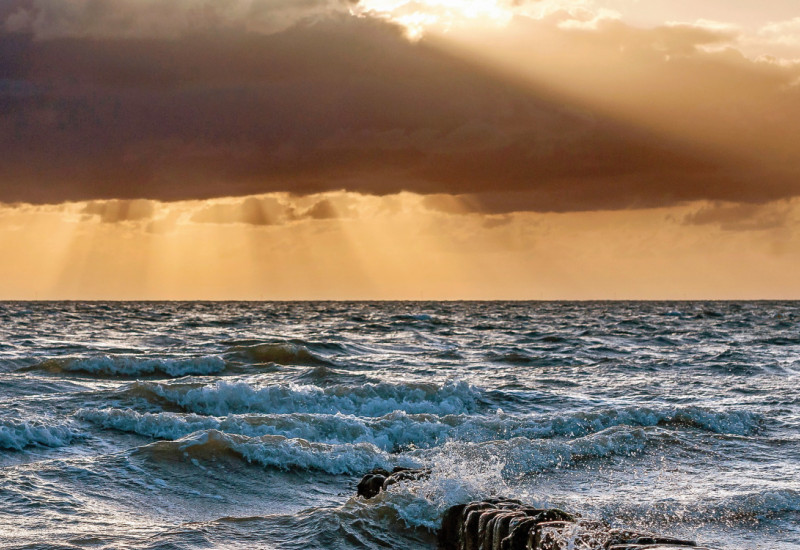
x,y
379,479
504,524
372,483
450,535
508,524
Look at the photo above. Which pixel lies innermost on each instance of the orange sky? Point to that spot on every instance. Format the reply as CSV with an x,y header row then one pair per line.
x,y
384,149
351,246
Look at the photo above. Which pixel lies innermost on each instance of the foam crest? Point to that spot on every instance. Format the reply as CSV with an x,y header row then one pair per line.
x,y
393,432
736,422
421,503
275,451
129,365
223,398
463,472
19,434
520,456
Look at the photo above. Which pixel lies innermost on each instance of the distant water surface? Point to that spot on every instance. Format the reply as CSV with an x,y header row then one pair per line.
x,y
247,425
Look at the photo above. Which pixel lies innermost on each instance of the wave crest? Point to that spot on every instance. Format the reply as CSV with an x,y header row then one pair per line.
x,y
279,353
19,434
275,451
223,398
129,365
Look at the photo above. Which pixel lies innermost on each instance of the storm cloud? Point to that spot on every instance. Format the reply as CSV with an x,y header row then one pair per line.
x,y
192,100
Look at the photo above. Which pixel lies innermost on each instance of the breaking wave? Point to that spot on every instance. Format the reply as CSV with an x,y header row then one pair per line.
x,y
398,430
223,398
279,353
129,365
275,451
19,434
521,456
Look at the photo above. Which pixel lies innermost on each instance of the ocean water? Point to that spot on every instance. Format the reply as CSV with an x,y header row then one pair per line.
x,y
248,425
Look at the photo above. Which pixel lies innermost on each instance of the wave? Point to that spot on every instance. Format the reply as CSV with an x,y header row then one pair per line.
x,y
19,434
742,508
464,472
522,357
128,365
285,353
399,430
766,504
735,422
223,398
275,451
323,374
418,318
521,456
389,433
355,524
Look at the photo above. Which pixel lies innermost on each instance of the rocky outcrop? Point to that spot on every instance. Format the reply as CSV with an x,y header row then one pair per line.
x,y
505,524
508,524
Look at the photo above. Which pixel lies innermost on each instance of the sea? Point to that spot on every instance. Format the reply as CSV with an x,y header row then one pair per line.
x,y
247,425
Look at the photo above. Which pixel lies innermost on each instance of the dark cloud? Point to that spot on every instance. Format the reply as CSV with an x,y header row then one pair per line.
x,y
332,102
48,19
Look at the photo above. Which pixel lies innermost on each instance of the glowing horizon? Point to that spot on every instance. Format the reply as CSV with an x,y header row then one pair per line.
x,y
349,246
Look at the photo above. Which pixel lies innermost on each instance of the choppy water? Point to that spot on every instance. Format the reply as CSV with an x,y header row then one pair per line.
x,y
247,425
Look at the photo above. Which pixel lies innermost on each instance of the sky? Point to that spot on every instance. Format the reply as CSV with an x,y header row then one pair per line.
x,y
394,149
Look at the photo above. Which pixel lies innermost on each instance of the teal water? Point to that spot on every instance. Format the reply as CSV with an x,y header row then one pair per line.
x,y
247,425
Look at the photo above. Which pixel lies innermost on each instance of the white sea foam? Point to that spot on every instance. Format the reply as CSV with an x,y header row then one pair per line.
x,y
397,430
223,398
737,422
467,471
280,452
18,434
521,455
388,432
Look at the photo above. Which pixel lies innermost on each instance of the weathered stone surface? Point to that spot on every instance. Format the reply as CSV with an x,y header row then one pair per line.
x,y
499,524
372,483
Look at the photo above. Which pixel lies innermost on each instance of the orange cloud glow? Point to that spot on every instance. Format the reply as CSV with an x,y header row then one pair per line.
x,y
395,247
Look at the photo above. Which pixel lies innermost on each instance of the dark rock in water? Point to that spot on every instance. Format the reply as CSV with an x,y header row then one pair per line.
x,y
379,479
372,483
508,524
499,524
450,535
